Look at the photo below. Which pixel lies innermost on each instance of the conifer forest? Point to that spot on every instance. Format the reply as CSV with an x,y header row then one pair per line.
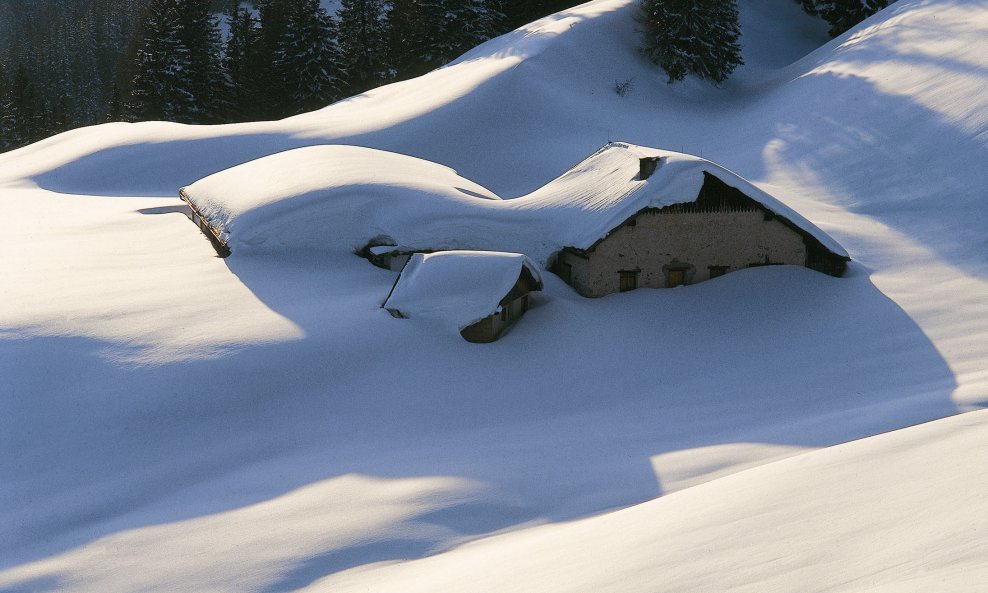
x,y
71,63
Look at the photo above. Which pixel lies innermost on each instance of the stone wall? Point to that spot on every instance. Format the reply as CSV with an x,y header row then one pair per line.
x,y
658,245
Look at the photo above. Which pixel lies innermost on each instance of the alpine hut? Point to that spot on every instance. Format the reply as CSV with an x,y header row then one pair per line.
x,y
649,218
481,293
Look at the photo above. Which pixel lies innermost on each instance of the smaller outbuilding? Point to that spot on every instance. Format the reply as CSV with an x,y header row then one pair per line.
x,y
481,293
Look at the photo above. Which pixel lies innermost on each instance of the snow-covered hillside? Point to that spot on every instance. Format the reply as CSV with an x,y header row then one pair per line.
x,y
171,421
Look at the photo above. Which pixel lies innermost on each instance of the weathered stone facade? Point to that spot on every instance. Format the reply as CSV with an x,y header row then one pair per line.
x,y
721,231
663,249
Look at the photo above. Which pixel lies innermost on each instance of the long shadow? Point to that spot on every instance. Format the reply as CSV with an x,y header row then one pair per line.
x,y
889,158
776,356
797,359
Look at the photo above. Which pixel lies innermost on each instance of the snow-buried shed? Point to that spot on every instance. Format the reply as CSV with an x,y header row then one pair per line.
x,y
326,197
481,293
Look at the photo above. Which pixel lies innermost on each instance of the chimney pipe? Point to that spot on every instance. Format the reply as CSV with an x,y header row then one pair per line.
x,y
647,166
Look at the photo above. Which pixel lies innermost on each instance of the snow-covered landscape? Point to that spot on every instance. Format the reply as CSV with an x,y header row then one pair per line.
x,y
175,421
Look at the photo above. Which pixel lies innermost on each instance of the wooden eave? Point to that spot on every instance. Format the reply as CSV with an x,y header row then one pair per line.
x,y
212,233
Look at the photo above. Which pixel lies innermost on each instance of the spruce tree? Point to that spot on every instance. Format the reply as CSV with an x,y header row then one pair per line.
x,y
243,66
177,71
273,17
307,59
5,143
200,38
521,12
692,36
159,89
467,24
426,34
23,115
408,36
362,41
844,14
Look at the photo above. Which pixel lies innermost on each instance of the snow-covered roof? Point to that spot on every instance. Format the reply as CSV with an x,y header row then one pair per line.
x,y
329,195
458,287
604,190
342,197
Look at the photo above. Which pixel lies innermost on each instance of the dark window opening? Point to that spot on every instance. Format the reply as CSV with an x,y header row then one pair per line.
x,y
627,280
716,271
675,278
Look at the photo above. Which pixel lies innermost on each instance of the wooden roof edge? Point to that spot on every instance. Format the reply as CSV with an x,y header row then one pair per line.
x,y
214,234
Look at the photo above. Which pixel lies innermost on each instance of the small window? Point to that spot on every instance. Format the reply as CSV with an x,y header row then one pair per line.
x,y
675,278
627,280
716,271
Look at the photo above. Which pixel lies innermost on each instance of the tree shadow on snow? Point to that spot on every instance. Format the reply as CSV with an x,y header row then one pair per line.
x,y
892,159
561,418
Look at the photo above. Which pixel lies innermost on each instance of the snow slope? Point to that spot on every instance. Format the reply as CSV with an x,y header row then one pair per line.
x,y
171,421
903,512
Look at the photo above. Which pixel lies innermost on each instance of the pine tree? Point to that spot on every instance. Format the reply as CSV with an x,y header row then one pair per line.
x,y
692,36
22,115
5,143
426,34
362,40
467,24
177,69
308,58
521,12
243,66
200,38
273,18
844,14
159,89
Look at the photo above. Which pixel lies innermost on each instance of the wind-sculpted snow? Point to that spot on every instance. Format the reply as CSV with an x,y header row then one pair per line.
x,y
340,198
171,421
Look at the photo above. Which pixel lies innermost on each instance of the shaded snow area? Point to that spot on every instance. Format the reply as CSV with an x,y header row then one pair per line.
x,y
457,287
175,422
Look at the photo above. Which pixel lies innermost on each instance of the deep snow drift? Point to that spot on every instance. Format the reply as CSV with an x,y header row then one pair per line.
x,y
171,421
340,198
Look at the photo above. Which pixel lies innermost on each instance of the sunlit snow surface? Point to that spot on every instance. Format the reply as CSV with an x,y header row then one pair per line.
x,y
171,421
341,198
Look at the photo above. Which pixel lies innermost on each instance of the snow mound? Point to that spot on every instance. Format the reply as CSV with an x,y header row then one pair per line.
x,y
315,196
459,287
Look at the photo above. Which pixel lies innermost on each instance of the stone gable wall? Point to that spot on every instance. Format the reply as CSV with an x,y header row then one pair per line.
x,y
657,242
